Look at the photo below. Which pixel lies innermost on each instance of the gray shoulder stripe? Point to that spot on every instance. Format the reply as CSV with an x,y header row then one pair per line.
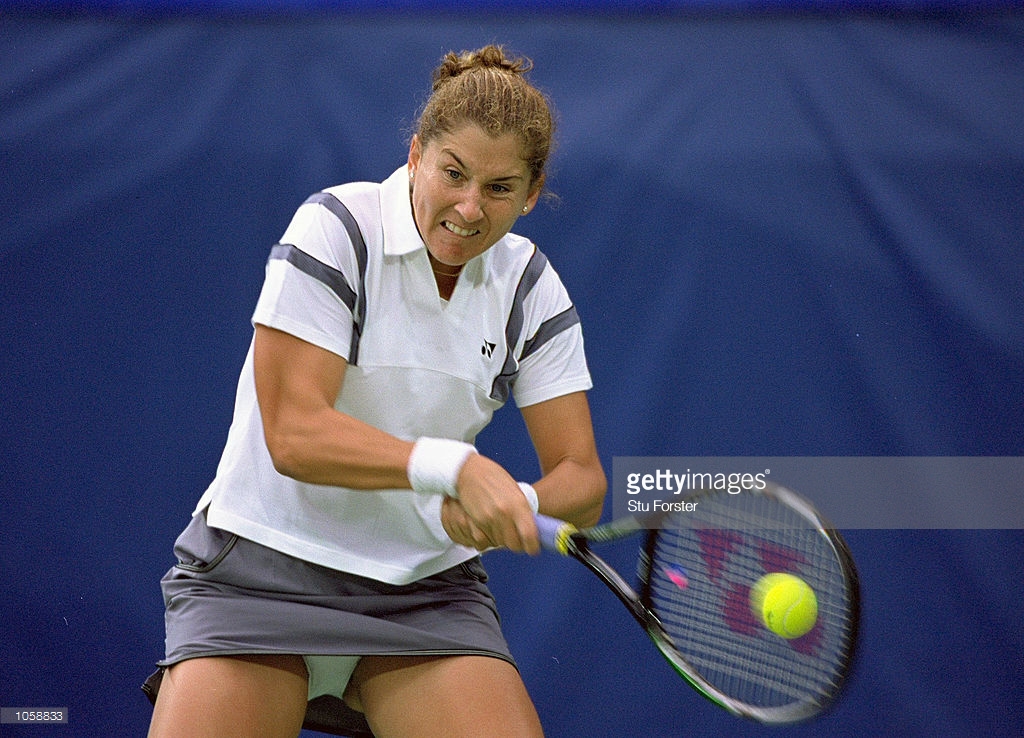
x,y
355,236
502,385
551,328
319,271
342,213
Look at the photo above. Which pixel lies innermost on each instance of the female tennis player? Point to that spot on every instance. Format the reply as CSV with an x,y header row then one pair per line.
x,y
334,560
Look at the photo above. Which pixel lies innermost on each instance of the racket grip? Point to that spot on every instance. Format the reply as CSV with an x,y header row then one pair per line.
x,y
554,533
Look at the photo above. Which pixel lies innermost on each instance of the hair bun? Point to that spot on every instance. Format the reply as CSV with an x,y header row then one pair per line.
x,y
488,89
489,57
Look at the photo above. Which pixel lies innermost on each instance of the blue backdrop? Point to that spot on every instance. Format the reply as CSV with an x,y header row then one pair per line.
x,y
787,233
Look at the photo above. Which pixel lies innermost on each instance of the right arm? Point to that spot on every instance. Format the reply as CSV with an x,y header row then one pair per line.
x,y
297,384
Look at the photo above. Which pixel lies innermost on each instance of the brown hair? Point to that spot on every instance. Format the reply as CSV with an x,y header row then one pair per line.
x,y
487,88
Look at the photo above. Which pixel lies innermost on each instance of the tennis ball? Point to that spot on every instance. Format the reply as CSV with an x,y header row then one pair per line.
x,y
785,603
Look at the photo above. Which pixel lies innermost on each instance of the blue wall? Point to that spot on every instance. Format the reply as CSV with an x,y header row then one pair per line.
x,y
786,234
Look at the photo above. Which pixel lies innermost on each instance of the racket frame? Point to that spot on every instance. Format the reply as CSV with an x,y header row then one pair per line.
x,y
576,543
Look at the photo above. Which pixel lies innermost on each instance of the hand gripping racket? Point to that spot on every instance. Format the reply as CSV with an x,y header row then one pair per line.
x,y
696,571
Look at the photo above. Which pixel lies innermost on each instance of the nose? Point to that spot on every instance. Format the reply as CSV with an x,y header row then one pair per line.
x,y
470,205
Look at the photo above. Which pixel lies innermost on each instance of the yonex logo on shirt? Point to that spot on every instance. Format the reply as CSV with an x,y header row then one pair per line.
x,y
487,349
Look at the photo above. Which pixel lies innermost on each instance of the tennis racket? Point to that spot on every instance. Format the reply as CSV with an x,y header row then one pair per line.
x,y
696,570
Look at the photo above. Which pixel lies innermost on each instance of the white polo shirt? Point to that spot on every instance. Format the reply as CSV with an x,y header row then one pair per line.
x,y
418,366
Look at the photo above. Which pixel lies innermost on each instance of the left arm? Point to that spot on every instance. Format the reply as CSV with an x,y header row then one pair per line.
x,y
572,486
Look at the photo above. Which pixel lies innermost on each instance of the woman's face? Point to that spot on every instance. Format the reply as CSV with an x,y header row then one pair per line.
x,y
467,191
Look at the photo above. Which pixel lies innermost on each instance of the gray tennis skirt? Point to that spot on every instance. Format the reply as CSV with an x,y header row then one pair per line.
x,y
230,596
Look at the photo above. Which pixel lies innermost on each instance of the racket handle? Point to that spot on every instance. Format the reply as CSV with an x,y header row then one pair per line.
x,y
554,533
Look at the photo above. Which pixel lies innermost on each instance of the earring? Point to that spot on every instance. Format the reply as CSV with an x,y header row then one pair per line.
x,y
526,209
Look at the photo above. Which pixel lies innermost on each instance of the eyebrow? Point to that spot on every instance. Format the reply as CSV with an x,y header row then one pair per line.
x,y
506,178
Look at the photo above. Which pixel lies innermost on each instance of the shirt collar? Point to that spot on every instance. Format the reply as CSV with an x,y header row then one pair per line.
x,y
400,234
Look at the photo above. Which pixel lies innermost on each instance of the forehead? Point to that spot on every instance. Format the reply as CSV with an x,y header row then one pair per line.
x,y
485,155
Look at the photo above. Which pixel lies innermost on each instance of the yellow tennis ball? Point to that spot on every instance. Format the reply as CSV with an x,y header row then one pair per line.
x,y
785,603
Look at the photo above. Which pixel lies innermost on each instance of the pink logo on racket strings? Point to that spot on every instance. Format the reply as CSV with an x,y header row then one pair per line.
x,y
775,557
715,547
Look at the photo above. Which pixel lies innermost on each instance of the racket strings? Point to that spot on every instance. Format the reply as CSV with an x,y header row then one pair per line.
x,y
701,568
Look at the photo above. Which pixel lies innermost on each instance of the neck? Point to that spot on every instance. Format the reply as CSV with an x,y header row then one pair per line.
x,y
444,270
453,272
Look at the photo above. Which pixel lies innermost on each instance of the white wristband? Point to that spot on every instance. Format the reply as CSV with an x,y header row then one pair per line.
x,y
531,495
435,463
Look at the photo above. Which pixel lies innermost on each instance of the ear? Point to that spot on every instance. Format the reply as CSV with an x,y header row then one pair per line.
x,y
531,199
415,154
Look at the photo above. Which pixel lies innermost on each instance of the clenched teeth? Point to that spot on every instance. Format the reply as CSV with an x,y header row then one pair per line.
x,y
458,231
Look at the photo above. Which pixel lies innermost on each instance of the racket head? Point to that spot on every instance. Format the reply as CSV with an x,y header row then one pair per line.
x,y
696,573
